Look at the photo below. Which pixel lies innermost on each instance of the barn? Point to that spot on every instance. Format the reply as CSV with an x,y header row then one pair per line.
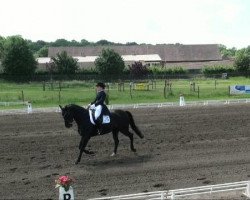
x,y
190,57
87,62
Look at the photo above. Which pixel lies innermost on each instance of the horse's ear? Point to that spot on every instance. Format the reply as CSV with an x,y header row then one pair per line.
x,y
61,107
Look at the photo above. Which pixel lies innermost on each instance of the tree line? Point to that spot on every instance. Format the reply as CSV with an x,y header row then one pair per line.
x,y
18,58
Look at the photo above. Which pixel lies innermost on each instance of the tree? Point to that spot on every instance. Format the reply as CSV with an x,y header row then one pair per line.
x,y
17,58
61,43
104,42
227,53
65,64
43,52
242,60
138,70
84,42
1,46
131,43
109,63
36,46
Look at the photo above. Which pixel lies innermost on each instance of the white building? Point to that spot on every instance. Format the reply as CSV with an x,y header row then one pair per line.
x,y
88,62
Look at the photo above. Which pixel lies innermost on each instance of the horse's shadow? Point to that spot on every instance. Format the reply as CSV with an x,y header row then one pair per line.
x,y
118,161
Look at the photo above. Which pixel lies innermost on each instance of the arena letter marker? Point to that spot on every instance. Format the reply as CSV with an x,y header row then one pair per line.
x,y
66,195
182,101
29,108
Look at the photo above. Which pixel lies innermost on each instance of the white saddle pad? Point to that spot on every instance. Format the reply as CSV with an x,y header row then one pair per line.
x,y
106,118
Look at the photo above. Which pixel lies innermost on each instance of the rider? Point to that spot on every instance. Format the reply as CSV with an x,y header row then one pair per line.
x,y
98,104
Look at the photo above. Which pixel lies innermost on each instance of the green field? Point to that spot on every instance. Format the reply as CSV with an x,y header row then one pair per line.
x,y
81,92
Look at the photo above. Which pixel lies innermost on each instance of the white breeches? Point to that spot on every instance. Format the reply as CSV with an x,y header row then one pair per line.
x,y
98,110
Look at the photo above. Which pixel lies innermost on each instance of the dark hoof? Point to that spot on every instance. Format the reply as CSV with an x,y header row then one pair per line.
x,y
134,150
89,152
76,162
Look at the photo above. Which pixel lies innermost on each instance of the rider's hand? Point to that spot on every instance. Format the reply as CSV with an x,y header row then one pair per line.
x,y
92,106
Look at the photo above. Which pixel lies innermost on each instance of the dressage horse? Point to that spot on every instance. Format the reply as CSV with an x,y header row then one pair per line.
x,y
119,122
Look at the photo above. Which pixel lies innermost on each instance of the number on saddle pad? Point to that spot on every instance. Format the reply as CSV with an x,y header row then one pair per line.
x,y
105,119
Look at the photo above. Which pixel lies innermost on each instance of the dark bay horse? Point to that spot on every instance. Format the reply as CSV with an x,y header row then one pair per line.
x,y
119,122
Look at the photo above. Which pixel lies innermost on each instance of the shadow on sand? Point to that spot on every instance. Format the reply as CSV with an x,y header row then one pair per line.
x,y
118,160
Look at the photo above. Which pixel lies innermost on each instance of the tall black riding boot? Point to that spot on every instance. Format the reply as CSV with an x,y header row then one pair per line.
x,y
99,125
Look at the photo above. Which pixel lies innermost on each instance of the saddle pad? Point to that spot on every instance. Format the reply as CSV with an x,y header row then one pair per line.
x,y
105,119
91,117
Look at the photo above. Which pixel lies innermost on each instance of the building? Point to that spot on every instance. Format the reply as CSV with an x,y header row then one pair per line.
x,y
87,62
191,57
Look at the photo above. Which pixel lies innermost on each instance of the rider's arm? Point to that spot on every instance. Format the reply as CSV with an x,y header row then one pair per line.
x,y
100,98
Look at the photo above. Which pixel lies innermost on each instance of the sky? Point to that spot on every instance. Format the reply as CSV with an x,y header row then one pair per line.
x,y
224,22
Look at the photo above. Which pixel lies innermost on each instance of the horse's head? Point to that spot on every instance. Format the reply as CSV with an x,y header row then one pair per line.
x,y
67,116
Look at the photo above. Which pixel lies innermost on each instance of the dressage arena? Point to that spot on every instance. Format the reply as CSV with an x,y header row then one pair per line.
x,y
183,147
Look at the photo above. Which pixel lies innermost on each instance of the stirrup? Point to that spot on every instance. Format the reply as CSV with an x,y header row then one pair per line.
x,y
99,130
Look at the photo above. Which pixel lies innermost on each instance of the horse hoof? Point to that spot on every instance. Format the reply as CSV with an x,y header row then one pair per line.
x,y
76,162
134,150
113,154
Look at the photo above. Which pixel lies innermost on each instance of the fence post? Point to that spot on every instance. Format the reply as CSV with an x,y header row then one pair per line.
x,y
43,85
198,91
130,85
22,96
172,196
59,96
164,92
248,190
60,86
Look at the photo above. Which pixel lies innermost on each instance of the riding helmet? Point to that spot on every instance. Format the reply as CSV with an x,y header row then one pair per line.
x,y
100,84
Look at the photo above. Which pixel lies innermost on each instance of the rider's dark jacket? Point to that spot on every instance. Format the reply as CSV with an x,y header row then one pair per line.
x,y
100,98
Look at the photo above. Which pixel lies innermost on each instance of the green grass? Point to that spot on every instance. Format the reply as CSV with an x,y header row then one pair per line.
x,y
81,92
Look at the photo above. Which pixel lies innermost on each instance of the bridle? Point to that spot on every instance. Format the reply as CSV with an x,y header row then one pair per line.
x,y
68,118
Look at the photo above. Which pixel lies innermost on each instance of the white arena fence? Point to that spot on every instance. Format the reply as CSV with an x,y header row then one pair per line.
x,y
9,103
123,106
243,186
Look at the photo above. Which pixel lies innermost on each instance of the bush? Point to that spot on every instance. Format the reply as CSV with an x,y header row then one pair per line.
x,y
157,70
216,69
138,70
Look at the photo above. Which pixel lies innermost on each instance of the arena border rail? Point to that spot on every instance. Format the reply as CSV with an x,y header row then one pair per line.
x,y
243,186
134,106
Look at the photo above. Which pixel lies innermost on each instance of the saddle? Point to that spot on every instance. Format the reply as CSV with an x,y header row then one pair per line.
x,y
104,116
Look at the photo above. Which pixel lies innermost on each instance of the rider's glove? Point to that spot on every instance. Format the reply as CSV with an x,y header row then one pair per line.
x,y
92,107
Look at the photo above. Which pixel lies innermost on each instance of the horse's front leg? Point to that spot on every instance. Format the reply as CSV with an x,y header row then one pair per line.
x,y
82,145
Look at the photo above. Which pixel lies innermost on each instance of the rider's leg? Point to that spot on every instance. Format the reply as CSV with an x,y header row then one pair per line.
x,y
98,111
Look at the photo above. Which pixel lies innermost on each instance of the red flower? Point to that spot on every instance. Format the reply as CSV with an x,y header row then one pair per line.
x,y
64,181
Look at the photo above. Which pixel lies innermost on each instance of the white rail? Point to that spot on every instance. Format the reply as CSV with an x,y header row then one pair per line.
x,y
135,106
12,103
243,186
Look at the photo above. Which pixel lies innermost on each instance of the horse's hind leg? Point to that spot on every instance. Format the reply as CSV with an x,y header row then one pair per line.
x,y
116,140
131,137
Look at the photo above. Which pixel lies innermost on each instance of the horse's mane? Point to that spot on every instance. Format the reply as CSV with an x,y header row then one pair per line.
x,y
78,110
76,107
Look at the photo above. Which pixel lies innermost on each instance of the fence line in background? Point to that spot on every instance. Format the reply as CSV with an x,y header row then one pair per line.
x,y
243,186
127,106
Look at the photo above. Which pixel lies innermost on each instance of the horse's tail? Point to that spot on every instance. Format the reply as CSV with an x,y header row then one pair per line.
x,y
133,126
